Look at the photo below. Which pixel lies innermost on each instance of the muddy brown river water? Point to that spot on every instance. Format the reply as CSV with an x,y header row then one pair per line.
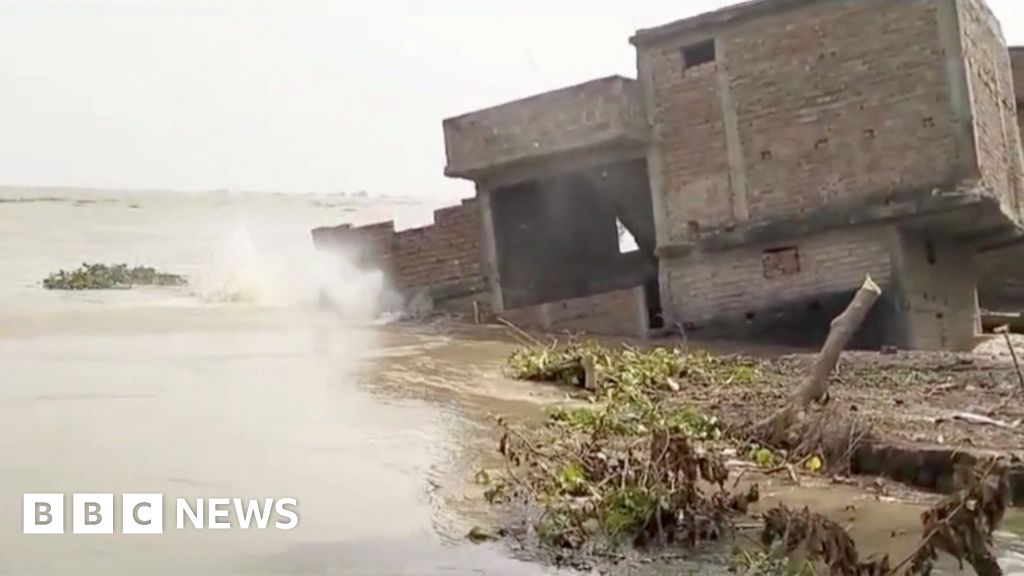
x,y
240,386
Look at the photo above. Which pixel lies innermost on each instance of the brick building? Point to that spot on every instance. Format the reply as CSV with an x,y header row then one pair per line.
x,y
797,146
767,157
1001,267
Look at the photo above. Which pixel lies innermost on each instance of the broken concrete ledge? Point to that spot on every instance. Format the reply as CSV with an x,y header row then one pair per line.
x,y
927,466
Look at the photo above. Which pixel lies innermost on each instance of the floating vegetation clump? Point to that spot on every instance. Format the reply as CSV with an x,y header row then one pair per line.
x,y
109,276
627,365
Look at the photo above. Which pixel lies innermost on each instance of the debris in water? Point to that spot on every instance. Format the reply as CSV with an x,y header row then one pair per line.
x,y
816,539
961,525
110,276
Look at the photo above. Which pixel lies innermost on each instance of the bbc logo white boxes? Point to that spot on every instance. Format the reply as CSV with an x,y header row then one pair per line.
x,y
98,513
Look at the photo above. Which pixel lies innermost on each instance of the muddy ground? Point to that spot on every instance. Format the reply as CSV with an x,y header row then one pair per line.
x,y
911,396
914,397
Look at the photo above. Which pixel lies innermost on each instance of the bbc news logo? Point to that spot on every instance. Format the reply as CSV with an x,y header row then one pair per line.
x,y
144,513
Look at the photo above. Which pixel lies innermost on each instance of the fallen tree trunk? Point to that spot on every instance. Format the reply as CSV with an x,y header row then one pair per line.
x,y
775,430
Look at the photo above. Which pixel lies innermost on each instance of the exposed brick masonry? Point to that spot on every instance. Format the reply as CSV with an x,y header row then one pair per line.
x,y
444,255
831,116
990,77
689,126
823,115
731,283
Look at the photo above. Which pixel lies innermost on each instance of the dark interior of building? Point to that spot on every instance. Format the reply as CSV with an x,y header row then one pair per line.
x,y
558,238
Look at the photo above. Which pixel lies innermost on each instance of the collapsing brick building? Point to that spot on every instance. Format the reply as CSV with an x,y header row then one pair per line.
x,y
767,158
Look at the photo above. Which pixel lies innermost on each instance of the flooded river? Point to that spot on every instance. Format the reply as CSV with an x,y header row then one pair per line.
x,y
240,386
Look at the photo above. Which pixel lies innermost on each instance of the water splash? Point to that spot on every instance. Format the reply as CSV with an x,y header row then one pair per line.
x,y
282,272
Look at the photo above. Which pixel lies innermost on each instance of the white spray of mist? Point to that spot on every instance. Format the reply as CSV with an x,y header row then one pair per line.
x,y
281,273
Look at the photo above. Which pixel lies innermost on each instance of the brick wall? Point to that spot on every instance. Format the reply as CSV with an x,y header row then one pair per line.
x,y
1001,279
617,313
791,292
686,114
990,79
444,256
368,246
806,108
730,284
1001,272
594,113
854,102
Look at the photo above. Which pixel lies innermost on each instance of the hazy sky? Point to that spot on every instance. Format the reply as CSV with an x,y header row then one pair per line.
x,y
290,95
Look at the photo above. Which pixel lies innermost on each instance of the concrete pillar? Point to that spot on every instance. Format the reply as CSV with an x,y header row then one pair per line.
x,y
656,177
488,247
938,297
734,148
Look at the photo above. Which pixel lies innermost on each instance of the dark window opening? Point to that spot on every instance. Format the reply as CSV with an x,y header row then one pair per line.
x,y
780,262
929,249
693,228
698,54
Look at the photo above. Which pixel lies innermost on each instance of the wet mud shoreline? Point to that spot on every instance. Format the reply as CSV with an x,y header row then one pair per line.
x,y
909,399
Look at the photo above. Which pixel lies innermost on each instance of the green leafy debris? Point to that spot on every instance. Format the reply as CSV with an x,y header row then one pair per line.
x,y
109,276
694,424
574,417
631,469
637,468
767,458
628,365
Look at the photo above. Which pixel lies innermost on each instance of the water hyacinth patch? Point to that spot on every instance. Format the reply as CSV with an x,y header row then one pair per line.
x,y
110,276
